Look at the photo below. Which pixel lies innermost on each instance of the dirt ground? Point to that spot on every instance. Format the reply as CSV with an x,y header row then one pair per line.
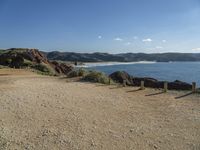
x,y
51,113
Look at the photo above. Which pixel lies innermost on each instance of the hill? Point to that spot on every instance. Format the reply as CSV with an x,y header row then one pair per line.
x,y
106,57
33,59
123,57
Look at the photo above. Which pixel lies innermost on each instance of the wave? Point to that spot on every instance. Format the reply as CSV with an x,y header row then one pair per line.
x,y
88,65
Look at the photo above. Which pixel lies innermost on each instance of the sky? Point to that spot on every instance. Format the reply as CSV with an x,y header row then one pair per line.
x,y
113,26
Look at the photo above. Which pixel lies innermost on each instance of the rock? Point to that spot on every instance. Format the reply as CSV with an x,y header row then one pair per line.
x,y
18,58
61,68
179,85
120,76
148,82
155,146
15,54
92,143
36,56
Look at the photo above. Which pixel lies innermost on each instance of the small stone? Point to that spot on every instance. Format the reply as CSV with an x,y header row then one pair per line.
x,y
92,144
155,147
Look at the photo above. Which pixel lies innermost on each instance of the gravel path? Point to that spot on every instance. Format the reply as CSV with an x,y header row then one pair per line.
x,y
43,113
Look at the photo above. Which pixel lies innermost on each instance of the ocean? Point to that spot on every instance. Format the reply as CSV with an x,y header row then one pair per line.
x,y
166,71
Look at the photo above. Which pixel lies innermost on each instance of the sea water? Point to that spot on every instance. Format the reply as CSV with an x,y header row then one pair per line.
x,y
166,71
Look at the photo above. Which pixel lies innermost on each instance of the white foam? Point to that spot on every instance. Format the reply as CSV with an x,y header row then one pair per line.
x,y
88,65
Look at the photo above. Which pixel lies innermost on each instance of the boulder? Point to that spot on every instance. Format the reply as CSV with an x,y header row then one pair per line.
x,y
148,82
179,85
120,76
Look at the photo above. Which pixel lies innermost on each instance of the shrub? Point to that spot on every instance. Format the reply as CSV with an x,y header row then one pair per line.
x,y
27,63
77,73
43,69
94,76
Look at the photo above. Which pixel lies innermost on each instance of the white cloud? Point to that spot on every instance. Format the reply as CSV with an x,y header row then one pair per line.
x,y
147,40
118,39
196,49
99,37
128,43
164,41
159,47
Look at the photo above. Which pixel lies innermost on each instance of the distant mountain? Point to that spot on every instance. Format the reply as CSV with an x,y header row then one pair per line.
x,y
83,57
123,57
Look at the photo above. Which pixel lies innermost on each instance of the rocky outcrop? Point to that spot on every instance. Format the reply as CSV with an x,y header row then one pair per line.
x,y
18,58
15,57
61,68
36,56
153,83
148,82
179,85
120,76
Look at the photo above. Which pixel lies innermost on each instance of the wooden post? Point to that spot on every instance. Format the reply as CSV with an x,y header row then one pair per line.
x,y
124,83
193,87
165,86
142,85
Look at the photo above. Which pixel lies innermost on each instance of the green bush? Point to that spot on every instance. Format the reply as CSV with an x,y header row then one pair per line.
x,y
77,73
27,63
43,69
99,77
2,51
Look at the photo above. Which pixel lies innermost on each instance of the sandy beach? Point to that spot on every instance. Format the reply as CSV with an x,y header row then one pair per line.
x,y
42,113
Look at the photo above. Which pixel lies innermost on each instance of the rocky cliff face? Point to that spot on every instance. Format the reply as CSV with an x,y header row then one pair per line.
x,y
33,58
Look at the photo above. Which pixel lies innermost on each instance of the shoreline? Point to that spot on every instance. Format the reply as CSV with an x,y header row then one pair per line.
x,y
151,69
95,64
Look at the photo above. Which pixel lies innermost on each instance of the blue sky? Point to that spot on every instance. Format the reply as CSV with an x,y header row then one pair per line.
x,y
112,26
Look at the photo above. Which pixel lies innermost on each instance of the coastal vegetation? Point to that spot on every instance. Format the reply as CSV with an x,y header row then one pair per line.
x,y
95,76
77,73
90,76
